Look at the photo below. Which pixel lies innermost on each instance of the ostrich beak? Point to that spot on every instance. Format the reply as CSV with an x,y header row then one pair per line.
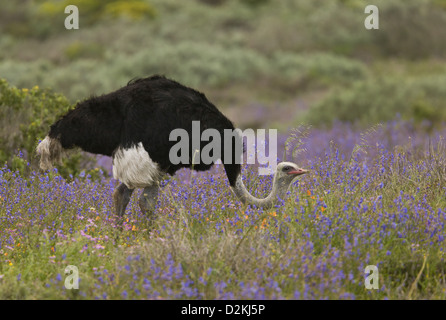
x,y
298,172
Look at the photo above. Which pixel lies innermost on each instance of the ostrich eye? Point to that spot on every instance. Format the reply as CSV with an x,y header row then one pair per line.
x,y
287,168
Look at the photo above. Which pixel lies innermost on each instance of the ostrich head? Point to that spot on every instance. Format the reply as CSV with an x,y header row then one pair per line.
x,y
286,173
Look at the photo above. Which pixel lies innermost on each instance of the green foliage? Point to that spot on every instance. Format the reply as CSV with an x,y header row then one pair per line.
x,y
213,2
80,50
254,2
196,64
235,51
14,19
321,69
92,11
411,29
440,3
25,118
380,100
43,19
133,9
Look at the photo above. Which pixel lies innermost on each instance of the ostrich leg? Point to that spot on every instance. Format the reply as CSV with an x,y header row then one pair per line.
x,y
147,201
122,196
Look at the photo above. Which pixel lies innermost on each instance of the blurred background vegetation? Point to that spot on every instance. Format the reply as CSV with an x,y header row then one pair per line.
x,y
264,63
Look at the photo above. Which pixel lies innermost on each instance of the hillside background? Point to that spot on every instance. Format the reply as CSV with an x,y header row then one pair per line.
x,y
263,62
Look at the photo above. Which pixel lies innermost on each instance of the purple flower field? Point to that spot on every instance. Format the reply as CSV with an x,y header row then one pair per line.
x,y
374,197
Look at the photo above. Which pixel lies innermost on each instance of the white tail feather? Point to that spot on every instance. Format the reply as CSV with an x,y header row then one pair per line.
x,y
50,151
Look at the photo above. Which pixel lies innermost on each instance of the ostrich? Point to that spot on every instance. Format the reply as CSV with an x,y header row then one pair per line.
x,y
132,125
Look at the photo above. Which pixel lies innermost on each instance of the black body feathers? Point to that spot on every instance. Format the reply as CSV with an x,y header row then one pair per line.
x,y
146,111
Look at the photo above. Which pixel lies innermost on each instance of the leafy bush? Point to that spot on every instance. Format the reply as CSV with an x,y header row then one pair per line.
x,y
195,64
79,50
42,19
25,117
318,68
134,9
379,100
412,29
94,10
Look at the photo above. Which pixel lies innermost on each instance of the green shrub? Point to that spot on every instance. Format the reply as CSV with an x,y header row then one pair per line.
x,y
440,3
134,9
319,68
94,10
25,118
80,50
193,63
44,18
411,29
381,99
254,3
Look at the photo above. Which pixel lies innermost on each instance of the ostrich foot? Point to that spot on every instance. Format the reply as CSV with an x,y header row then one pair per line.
x,y
147,201
121,198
